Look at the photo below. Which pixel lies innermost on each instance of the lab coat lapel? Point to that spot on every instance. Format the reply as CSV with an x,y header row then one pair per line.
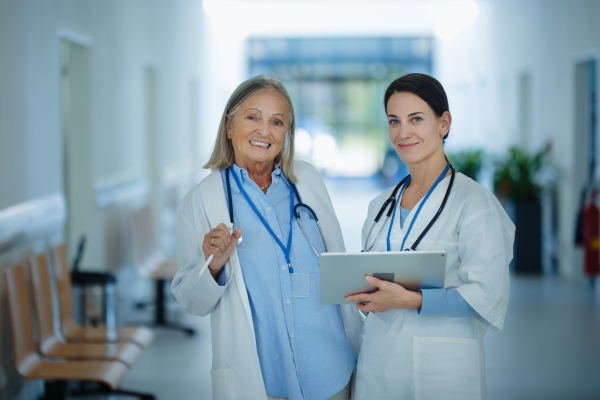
x,y
217,212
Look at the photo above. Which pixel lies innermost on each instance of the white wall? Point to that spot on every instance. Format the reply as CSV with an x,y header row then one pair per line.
x,y
480,69
124,37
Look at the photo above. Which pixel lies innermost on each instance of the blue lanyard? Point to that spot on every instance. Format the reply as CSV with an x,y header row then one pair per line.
x,y
286,250
439,179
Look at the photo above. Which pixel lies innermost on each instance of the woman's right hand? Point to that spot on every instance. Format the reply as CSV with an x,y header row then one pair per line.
x,y
220,243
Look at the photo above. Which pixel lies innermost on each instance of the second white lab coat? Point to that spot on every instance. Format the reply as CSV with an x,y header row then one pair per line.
x,y
405,355
236,370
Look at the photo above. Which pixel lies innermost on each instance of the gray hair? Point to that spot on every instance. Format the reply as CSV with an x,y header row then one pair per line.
x,y
223,155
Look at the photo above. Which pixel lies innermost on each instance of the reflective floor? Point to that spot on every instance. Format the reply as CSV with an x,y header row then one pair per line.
x,y
549,347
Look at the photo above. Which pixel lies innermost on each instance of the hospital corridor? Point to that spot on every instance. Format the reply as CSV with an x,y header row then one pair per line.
x,y
138,136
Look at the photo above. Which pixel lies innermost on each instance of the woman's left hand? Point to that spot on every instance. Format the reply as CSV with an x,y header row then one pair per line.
x,y
390,295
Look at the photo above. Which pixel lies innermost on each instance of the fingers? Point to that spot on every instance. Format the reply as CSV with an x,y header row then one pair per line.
x,y
216,241
371,280
361,297
222,228
233,241
237,234
383,285
369,307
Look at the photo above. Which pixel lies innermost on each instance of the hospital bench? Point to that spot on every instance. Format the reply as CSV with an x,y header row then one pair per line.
x,y
49,344
56,374
74,332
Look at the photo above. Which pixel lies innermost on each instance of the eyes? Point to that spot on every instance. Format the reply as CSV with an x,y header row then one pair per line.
x,y
413,119
275,121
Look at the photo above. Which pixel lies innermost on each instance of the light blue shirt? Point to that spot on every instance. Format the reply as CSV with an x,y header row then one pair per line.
x,y
302,347
446,302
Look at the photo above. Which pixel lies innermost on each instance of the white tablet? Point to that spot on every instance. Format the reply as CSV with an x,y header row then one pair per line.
x,y
343,274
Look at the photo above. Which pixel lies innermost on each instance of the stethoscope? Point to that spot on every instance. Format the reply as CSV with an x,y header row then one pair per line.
x,y
296,211
391,201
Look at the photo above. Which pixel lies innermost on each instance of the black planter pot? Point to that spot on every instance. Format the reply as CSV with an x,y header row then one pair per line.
x,y
528,238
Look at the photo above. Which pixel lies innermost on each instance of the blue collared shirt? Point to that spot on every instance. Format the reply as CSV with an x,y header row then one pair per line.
x,y
302,347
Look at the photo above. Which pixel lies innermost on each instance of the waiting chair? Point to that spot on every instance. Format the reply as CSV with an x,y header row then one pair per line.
x,y
71,330
30,365
152,264
49,344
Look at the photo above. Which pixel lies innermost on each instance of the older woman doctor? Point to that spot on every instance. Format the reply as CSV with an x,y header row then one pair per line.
x,y
429,344
271,336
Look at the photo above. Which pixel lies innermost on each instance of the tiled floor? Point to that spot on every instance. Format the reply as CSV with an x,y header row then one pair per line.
x,y
549,348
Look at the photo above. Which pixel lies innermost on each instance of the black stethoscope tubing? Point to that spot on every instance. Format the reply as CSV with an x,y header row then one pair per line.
x,y
300,204
392,200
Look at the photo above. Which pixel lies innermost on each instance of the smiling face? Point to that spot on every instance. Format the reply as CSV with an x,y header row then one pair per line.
x,y
258,129
414,129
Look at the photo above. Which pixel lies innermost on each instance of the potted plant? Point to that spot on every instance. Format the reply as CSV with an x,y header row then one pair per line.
x,y
468,162
515,182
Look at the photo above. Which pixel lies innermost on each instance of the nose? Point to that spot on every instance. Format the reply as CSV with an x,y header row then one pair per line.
x,y
404,131
263,129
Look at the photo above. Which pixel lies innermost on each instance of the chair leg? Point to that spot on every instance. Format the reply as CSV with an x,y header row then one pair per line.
x,y
159,317
105,390
160,311
55,390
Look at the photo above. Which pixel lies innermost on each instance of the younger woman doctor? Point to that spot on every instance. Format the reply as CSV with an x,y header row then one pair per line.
x,y
429,344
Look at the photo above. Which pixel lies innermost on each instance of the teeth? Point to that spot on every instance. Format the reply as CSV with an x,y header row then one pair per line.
x,y
259,144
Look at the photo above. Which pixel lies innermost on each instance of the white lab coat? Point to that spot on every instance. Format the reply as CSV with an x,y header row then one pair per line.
x,y
405,355
236,370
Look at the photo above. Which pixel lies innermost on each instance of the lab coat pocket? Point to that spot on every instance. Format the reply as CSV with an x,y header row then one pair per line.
x,y
300,284
222,384
447,368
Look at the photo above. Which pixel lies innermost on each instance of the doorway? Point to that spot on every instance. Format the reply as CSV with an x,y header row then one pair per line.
x,y
77,138
585,123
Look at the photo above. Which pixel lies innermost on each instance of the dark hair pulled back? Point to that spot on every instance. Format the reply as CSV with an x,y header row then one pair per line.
x,y
429,89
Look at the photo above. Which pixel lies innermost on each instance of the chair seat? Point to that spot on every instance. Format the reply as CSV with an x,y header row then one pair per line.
x,y
108,372
139,335
124,352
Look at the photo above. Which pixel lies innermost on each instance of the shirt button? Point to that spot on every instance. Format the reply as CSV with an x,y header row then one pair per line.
x,y
268,208
292,335
283,267
276,180
287,302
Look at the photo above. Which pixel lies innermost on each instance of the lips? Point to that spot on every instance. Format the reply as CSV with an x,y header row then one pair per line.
x,y
407,146
262,145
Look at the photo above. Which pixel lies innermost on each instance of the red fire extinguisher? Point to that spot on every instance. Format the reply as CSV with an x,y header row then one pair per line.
x,y
591,237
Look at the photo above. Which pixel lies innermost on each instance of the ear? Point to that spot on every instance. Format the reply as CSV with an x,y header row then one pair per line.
x,y
227,125
446,122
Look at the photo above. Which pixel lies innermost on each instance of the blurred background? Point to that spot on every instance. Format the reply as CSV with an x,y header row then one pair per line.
x,y
109,110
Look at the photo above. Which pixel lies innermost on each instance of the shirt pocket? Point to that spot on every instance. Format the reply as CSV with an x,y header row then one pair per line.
x,y
300,284
447,368
222,384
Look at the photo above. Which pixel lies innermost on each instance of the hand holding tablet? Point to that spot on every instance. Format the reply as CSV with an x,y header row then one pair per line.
x,y
343,274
